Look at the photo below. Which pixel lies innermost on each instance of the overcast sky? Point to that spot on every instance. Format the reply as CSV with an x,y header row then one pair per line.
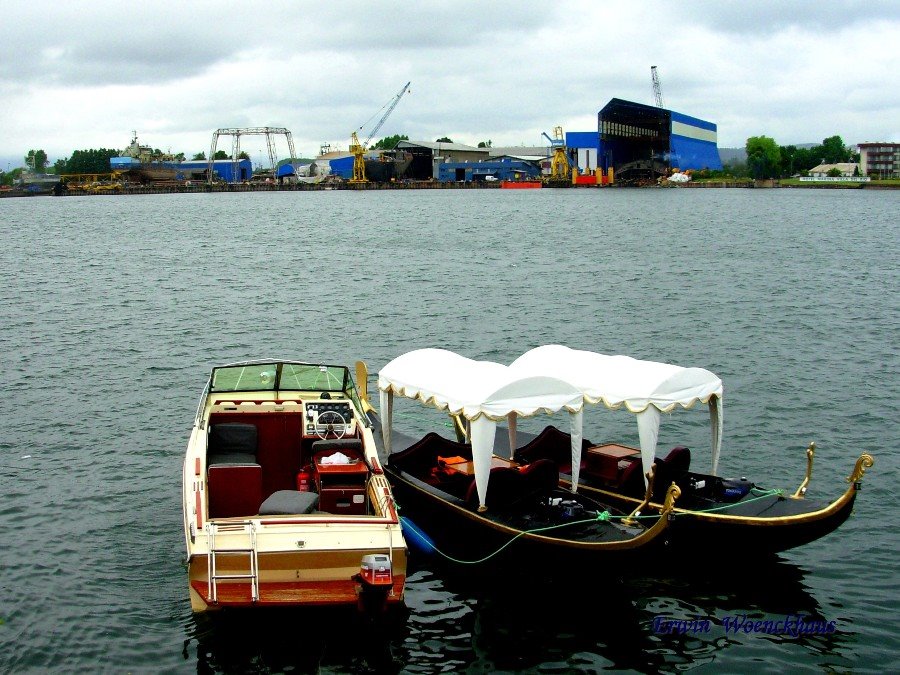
x,y
78,75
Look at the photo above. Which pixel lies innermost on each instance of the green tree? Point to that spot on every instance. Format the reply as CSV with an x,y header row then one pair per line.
x,y
10,177
390,142
37,160
243,155
443,139
763,157
199,156
804,160
484,144
221,154
88,161
833,172
834,150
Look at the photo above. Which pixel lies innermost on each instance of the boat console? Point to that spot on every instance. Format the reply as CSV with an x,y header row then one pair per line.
x,y
284,445
328,418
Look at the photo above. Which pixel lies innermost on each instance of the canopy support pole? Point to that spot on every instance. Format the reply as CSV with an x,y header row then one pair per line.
x,y
576,421
483,431
386,400
715,421
511,422
648,430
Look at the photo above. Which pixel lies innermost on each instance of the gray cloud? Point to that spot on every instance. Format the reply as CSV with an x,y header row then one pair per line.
x,y
74,77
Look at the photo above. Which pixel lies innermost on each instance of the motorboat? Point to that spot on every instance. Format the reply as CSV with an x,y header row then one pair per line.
x,y
285,502
473,506
712,512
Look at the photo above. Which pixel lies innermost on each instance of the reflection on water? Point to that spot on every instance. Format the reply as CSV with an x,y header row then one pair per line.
x,y
456,619
312,640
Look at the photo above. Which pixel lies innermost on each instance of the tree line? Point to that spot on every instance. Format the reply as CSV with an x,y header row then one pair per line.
x,y
767,159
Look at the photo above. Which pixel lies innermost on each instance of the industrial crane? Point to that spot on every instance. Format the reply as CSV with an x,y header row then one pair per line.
x,y
559,165
657,92
359,149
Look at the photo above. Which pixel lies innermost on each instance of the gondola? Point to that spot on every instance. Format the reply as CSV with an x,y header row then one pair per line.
x,y
713,513
473,506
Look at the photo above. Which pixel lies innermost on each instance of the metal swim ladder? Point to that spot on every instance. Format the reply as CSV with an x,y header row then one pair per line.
x,y
247,527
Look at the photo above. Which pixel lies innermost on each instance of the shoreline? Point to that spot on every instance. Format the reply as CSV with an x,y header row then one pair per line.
x,y
424,185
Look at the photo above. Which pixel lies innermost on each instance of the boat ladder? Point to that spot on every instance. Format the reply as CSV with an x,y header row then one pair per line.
x,y
248,528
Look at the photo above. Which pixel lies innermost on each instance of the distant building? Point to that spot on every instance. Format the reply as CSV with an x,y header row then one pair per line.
x,y
505,169
846,169
644,142
880,160
584,149
428,156
223,169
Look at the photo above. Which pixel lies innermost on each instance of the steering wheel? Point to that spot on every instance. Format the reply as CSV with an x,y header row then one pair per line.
x,y
333,422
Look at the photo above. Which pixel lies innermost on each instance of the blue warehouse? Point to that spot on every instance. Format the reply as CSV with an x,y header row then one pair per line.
x,y
643,142
506,169
223,169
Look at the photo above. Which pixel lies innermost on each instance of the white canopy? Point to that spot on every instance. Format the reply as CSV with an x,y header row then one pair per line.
x,y
483,392
645,388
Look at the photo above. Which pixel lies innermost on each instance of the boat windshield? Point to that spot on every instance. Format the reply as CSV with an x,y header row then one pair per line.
x,y
280,376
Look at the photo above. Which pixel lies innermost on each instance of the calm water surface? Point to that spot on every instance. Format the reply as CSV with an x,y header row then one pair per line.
x,y
113,309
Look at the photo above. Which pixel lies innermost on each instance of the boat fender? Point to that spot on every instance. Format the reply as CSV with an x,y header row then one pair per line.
x,y
416,537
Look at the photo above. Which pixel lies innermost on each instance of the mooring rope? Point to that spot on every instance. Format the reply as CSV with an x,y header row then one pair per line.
x,y
602,516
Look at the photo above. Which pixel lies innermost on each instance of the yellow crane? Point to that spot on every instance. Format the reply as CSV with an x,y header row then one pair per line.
x,y
359,149
559,164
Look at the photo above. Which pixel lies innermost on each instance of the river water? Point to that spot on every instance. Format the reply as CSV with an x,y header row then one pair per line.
x,y
113,309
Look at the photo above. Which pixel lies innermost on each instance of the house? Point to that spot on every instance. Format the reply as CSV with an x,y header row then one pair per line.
x,y
846,168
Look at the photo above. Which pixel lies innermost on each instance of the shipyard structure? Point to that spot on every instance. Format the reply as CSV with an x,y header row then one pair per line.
x,y
636,143
644,142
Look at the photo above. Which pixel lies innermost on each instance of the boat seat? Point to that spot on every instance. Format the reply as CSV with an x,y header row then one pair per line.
x,y
541,477
679,459
631,482
551,444
421,457
671,469
231,443
509,486
505,488
289,502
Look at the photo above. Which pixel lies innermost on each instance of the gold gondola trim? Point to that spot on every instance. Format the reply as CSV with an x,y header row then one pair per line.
x,y
801,490
648,495
865,461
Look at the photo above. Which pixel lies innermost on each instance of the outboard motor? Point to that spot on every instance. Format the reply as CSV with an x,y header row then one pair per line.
x,y
376,580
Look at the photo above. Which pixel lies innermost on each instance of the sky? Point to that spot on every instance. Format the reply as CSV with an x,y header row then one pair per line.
x,y
78,75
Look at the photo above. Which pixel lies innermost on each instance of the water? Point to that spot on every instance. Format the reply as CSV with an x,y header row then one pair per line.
x,y
113,309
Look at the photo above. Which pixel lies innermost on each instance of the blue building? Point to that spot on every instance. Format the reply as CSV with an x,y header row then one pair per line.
x,y
223,169
643,142
505,169
583,148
